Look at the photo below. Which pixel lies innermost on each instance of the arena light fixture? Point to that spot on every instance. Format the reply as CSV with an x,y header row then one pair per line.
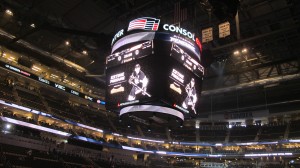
x,y
53,76
72,84
244,50
32,25
236,52
197,124
66,80
84,52
9,12
13,59
67,43
36,68
7,126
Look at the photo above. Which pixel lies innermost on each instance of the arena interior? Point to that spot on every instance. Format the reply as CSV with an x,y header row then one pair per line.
x,y
59,106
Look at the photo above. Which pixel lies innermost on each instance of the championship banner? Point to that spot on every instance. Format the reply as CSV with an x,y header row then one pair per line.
x,y
207,35
224,29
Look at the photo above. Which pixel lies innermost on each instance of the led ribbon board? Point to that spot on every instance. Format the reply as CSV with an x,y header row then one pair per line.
x,y
150,24
50,83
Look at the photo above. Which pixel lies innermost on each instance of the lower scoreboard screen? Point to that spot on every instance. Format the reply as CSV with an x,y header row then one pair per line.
x,y
131,83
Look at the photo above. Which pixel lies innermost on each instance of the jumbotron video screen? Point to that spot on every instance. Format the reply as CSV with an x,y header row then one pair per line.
x,y
131,83
159,66
183,89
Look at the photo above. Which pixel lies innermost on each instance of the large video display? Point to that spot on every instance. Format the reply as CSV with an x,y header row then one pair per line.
x,y
184,88
131,83
154,64
170,75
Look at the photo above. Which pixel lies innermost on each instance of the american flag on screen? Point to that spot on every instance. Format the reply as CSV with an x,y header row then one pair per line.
x,y
144,23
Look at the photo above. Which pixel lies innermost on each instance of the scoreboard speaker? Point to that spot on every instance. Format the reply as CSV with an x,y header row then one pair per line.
x,y
224,9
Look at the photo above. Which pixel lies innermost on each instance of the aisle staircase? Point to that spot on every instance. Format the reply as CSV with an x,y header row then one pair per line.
x,y
258,133
287,131
16,96
140,131
45,103
168,134
227,136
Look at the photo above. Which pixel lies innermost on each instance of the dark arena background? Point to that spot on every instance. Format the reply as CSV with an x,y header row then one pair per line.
x,y
144,84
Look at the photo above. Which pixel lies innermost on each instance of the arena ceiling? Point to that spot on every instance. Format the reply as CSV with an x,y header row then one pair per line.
x,y
269,31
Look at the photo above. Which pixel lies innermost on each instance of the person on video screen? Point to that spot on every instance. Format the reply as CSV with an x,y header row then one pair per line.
x,y
191,99
139,83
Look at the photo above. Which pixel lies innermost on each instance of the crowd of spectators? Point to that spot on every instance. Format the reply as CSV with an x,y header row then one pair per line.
x,y
31,100
6,91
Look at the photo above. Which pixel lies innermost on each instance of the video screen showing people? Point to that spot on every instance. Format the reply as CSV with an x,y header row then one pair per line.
x,y
139,82
184,89
131,82
191,97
